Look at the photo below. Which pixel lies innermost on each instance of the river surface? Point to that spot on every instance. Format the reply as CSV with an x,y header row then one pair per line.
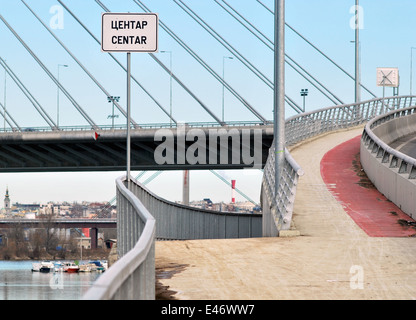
x,y
18,282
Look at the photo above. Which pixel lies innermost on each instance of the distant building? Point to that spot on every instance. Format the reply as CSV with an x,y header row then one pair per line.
x,y
7,207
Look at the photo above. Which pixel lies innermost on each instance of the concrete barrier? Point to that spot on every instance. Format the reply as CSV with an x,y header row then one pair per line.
x,y
392,172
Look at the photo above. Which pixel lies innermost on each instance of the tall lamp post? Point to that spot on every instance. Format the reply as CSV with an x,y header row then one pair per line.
x,y
223,77
112,116
170,85
304,94
57,95
4,105
357,53
411,68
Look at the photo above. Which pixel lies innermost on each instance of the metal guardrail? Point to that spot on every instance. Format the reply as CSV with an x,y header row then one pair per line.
x,y
278,210
310,124
133,275
388,155
141,126
391,171
179,222
277,215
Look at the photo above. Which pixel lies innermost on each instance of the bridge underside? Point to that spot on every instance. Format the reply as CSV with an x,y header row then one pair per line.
x,y
85,151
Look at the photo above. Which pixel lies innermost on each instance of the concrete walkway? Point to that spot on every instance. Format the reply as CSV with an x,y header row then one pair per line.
x,y
332,259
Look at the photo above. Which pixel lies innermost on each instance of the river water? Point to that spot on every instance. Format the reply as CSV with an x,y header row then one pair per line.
x,y
18,282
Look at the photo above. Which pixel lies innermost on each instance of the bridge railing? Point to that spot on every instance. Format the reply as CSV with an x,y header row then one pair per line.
x,y
310,124
391,171
179,222
141,126
133,275
278,210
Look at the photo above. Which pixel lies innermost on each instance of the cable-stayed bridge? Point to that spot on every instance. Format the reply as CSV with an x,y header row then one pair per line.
x,y
71,101
51,124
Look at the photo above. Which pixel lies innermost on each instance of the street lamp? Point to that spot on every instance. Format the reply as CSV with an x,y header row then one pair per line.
x,y
304,94
170,84
57,98
357,70
411,68
223,76
112,116
357,53
4,105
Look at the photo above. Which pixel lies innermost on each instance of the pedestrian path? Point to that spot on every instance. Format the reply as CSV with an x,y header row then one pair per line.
x,y
371,211
333,258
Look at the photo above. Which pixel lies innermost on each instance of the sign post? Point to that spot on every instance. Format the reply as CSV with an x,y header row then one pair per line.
x,y
387,77
129,32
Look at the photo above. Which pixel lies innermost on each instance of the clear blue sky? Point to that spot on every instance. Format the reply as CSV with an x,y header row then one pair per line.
x,y
386,39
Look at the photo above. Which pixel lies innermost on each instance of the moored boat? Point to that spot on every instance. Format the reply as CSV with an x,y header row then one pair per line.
x,y
84,268
71,268
97,265
46,267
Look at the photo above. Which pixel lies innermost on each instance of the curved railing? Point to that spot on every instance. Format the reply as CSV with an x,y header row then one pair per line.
x,y
179,222
391,171
278,210
133,276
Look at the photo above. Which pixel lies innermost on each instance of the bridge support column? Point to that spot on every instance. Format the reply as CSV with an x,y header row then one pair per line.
x,y
94,237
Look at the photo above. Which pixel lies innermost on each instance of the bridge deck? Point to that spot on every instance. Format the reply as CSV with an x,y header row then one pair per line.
x,y
317,265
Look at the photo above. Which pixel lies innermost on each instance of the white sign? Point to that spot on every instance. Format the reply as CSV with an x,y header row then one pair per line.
x,y
129,32
388,77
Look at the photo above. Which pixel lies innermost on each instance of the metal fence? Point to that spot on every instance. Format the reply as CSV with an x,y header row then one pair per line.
x,y
180,222
278,210
133,276
392,172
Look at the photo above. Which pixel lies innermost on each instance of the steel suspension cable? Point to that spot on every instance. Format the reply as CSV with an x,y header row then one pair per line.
x,y
6,115
317,49
237,54
269,43
173,75
51,76
117,61
204,64
78,62
27,93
